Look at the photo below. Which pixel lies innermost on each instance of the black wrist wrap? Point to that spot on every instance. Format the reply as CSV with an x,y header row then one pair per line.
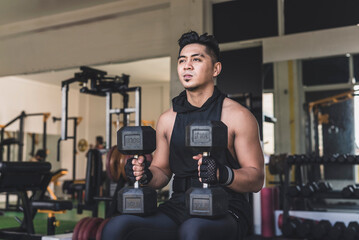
x,y
226,175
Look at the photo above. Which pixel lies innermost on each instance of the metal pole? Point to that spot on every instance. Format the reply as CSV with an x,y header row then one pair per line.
x,y
74,151
58,149
108,120
44,133
1,147
125,106
8,153
33,136
65,89
138,106
21,136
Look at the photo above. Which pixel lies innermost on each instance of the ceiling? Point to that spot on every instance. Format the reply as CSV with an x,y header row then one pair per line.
x,y
141,72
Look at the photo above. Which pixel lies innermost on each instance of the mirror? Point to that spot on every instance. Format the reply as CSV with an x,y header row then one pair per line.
x,y
34,142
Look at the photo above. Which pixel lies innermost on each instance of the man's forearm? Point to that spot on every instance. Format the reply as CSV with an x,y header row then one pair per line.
x,y
160,178
247,179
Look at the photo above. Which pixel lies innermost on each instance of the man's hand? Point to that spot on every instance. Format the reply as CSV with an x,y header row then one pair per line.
x,y
211,172
137,170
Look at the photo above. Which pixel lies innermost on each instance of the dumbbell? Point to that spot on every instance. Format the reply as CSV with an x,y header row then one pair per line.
x,y
206,136
321,229
336,231
334,158
290,159
342,158
294,191
351,158
351,232
305,228
318,159
304,159
309,189
289,228
299,159
350,190
325,187
136,141
326,159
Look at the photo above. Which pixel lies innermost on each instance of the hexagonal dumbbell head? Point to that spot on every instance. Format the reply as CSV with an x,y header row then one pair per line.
x,y
206,135
136,140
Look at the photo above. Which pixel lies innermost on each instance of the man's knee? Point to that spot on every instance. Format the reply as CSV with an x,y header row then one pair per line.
x,y
192,229
118,227
200,228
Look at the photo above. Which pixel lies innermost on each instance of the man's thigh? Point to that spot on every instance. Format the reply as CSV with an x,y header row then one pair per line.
x,y
202,228
158,226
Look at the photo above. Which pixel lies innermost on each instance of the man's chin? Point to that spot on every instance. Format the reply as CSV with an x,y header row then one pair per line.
x,y
191,89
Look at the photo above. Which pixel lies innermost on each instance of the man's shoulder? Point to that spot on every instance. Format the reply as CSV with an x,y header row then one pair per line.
x,y
167,118
231,105
165,122
233,110
168,114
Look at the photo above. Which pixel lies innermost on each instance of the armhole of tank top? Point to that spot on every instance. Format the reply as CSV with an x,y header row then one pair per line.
x,y
174,124
220,116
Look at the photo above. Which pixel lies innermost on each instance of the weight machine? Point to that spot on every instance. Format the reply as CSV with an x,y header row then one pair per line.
x,y
104,86
20,140
96,82
77,121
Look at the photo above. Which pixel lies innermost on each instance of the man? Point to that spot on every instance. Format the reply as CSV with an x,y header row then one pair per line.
x,y
99,143
239,168
39,156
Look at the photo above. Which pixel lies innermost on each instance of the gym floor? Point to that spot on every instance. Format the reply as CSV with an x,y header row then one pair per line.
x,y
68,221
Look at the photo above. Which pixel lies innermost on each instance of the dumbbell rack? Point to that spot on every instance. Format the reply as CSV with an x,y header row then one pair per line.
x,y
316,195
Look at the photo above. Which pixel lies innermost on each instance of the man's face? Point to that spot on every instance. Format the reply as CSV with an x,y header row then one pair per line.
x,y
195,67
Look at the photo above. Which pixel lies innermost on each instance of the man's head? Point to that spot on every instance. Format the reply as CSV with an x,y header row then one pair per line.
x,y
209,41
99,140
40,155
198,63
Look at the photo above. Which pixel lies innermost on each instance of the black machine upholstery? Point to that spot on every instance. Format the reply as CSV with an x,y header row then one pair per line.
x,y
21,177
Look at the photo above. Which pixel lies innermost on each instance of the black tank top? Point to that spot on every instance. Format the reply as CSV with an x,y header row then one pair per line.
x,y
181,162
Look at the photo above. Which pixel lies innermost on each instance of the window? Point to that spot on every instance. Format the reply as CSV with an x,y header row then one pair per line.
x,y
268,127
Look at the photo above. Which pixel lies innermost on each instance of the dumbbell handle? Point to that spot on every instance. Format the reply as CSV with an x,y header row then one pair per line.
x,y
136,184
205,154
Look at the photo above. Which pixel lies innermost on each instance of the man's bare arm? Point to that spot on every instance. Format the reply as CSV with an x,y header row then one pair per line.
x,y
250,177
160,164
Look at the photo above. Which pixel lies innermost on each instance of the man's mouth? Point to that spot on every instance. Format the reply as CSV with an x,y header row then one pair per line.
x,y
187,77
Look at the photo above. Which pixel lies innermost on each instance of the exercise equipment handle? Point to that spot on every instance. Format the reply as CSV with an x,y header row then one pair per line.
x,y
205,154
136,184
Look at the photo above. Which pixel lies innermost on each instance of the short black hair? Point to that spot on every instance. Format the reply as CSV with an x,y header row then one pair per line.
x,y
99,139
41,153
209,41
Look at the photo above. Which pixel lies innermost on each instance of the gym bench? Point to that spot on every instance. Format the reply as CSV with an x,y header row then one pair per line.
x,y
21,177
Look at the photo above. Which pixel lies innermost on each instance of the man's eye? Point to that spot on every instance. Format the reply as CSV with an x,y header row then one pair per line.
x,y
180,61
196,60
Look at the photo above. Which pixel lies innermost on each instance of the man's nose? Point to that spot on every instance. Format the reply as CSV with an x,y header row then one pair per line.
x,y
188,65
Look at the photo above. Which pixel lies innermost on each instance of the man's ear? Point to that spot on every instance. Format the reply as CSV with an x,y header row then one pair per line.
x,y
217,68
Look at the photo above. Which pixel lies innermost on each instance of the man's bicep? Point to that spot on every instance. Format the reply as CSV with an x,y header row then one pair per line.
x,y
247,144
161,156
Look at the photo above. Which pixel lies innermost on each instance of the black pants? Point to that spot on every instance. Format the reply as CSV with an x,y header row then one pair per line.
x,y
160,226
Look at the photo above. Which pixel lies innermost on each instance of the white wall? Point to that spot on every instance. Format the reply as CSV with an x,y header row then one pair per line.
x,y
17,94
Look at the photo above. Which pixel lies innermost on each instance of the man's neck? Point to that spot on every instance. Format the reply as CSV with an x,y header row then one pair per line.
x,y
199,96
